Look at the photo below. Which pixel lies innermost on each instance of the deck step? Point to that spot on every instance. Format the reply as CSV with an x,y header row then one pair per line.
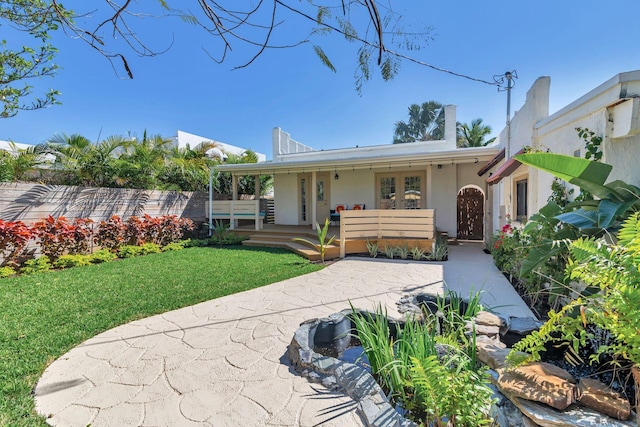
x,y
299,248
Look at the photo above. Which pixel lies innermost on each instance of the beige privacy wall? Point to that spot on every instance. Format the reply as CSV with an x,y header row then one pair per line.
x,y
31,202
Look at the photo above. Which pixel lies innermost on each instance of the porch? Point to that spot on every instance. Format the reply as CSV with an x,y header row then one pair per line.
x,y
393,227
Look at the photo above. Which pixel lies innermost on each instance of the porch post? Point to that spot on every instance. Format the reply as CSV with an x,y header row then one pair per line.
x,y
234,197
429,198
257,200
210,213
314,200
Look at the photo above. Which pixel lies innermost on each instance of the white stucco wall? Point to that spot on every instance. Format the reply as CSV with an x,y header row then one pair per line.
x,y
285,199
535,108
624,154
354,187
444,188
562,138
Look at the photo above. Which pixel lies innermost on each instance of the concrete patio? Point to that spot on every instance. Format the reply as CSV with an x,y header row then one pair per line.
x,y
221,362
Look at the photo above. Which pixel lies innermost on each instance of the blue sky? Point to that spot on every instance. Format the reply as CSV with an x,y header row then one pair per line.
x,y
579,44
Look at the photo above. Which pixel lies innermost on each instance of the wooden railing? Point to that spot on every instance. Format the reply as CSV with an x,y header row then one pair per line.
x,y
237,209
386,224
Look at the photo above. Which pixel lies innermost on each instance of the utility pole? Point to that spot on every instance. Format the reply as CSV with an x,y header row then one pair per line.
x,y
509,76
505,82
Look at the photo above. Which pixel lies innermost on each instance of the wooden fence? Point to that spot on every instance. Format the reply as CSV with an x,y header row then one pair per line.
x,y
386,224
31,202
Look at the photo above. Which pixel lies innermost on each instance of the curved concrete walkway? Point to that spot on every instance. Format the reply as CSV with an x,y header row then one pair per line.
x,y
221,362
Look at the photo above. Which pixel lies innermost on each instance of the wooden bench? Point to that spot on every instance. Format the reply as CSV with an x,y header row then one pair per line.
x,y
234,210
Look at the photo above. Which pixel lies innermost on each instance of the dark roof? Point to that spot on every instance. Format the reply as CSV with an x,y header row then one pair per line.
x,y
491,163
506,169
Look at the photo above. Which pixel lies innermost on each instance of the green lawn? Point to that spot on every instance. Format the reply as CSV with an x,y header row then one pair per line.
x,y
45,315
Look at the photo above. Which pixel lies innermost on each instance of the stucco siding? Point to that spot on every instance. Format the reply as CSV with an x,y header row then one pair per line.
x,y
444,189
624,155
353,187
285,199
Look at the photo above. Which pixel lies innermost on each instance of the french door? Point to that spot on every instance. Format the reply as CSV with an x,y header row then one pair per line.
x,y
400,190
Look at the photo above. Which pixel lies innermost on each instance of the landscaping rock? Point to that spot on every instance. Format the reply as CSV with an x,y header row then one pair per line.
x,y
489,319
596,395
539,382
494,356
490,331
574,416
523,325
520,327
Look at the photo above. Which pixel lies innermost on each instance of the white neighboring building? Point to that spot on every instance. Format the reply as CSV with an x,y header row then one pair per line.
x,y
184,138
6,146
611,110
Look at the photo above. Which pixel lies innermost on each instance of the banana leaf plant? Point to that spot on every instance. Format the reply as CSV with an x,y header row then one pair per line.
x,y
616,200
589,218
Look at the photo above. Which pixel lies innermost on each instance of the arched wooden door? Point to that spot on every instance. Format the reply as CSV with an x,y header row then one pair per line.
x,y
470,214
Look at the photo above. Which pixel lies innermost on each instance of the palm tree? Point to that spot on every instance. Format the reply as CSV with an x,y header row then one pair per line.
x,y
17,163
187,168
426,123
473,136
84,163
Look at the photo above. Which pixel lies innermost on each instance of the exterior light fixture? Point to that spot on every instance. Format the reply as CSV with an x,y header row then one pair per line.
x,y
336,176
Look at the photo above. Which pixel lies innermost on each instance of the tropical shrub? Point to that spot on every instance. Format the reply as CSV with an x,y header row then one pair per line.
x,y
612,268
111,233
7,271
14,236
69,260
36,265
174,246
372,247
56,236
103,255
130,251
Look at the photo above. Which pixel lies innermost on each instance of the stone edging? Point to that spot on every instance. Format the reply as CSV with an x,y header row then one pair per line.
x,y
373,406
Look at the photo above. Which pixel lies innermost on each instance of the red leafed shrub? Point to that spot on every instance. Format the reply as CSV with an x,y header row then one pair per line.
x,y
56,236
14,236
111,233
172,228
134,231
160,230
82,237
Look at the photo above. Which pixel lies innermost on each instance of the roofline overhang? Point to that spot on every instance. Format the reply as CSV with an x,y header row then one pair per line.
x,y
457,156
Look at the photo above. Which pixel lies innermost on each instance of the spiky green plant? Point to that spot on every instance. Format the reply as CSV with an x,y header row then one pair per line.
x,y
372,247
322,245
417,253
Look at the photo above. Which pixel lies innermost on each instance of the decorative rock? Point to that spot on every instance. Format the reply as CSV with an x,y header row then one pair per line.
x,y
519,327
575,416
596,395
493,341
523,325
490,331
540,382
492,355
489,319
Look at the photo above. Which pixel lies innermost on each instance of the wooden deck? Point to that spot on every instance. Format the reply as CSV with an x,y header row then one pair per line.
x,y
281,236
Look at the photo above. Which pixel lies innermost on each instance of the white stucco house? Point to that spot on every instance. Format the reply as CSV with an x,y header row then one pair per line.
x,y
611,110
310,183
182,139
